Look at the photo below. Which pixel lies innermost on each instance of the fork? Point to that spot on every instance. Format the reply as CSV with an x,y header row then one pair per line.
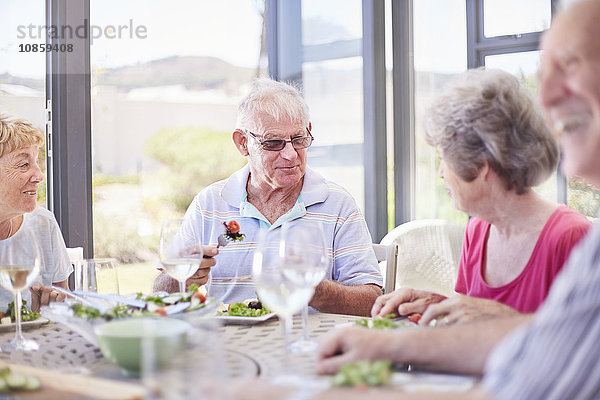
x,y
82,299
222,241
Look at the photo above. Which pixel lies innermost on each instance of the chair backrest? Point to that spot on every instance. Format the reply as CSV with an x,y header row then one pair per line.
x,y
75,255
387,255
428,255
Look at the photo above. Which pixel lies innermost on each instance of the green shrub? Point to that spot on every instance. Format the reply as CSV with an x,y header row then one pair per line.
x,y
193,158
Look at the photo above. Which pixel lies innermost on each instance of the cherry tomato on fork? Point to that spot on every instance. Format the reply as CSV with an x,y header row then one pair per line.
x,y
233,227
200,296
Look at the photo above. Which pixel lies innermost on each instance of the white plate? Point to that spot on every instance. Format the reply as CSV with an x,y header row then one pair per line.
x,y
419,381
24,325
235,320
401,323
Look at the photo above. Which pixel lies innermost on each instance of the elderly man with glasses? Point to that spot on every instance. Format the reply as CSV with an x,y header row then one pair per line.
x,y
273,133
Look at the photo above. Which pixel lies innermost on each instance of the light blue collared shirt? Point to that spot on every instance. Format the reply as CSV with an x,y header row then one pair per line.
x,y
349,244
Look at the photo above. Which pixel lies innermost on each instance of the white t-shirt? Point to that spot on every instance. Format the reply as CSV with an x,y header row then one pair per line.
x,y
55,263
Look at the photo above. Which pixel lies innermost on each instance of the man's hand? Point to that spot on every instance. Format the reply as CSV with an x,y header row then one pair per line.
x,y
342,346
404,301
165,283
42,296
461,309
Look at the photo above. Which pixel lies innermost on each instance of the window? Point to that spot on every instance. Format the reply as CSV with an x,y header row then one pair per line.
x,y
164,105
184,78
333,87
440,52
514,17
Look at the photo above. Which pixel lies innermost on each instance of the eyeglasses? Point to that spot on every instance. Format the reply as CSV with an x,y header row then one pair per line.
x,y
299,142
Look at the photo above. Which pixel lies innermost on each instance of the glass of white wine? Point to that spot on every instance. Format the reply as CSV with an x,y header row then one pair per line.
x,y
284,284
20,265
180,251
305,241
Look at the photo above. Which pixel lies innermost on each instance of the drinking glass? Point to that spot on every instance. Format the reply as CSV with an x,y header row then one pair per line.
x,y
284,283
97,275
189,374
305,241
180,253
20,265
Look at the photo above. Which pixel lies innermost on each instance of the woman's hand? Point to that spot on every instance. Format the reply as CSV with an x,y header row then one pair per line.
x,y
404,301
42,296
460,309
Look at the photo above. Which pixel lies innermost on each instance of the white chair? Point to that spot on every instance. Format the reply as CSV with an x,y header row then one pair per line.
x,y
387,255
75,255
428,252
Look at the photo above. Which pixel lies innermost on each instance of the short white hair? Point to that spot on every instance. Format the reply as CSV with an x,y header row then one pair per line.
x,y
282,101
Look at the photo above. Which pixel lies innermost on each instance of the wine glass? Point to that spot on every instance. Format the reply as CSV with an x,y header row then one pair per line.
x,y
20,265
97,275
284,284
179,251
305,241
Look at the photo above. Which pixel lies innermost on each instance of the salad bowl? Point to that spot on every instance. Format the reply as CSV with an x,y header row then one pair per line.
x,y
124,342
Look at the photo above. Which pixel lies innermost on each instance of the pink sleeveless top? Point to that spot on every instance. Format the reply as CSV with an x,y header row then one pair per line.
x,y
526,292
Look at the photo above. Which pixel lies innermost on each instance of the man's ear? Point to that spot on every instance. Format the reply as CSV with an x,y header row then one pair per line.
x,y
240,141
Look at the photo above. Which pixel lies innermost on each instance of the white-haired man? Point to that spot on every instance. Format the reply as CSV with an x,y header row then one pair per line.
x,y
273,132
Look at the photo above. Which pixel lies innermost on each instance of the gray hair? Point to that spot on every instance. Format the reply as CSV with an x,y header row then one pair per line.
x,y
486,115
281,101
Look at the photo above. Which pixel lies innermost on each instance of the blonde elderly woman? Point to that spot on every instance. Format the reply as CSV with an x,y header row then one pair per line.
x,y
494,147
20,176
273,132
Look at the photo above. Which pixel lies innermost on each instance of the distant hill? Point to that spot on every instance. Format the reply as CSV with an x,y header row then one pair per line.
x,y
199,73
194,72
15,80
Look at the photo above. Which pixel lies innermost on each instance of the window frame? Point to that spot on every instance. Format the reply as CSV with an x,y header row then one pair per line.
x,y
68,96
68,131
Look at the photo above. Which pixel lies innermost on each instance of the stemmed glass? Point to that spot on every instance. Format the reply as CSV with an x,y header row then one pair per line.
x,y
180,253
305,240
284,284
20,265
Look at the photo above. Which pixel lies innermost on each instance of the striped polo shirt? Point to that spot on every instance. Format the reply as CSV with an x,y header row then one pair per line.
x,y
349,244
556,355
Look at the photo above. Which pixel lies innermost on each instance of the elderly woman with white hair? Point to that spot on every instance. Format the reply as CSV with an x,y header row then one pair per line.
x,y
494,147
273,132
20,176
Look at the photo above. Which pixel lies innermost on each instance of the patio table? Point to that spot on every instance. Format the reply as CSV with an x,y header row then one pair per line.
x,y
248,350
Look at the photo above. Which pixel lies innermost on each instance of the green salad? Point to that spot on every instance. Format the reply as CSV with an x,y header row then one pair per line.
x,y
254,308
16,381
26,314
155,305
379,322
363,373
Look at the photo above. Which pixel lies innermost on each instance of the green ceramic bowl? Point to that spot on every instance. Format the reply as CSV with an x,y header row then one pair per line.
x,y
121,341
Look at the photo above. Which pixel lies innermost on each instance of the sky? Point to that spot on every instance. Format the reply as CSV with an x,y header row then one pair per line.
x,y
230,29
